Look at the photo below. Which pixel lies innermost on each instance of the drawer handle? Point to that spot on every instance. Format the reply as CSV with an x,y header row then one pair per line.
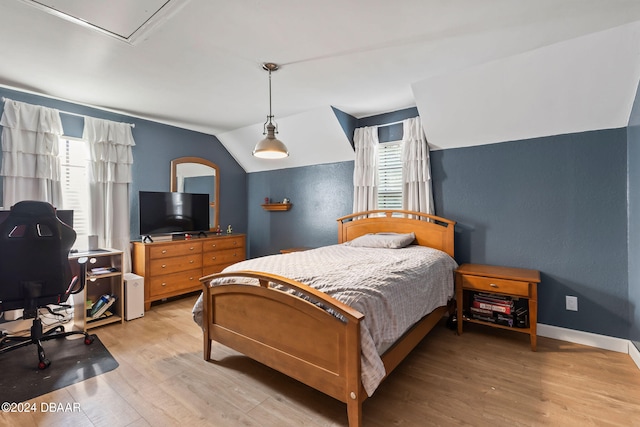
x,y
164,265
235,243
190,261
164,251
190,278
191,248
213,245
493,285
164,284
213,257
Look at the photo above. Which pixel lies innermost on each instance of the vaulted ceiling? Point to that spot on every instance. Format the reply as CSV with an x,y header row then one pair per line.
x,y
479,71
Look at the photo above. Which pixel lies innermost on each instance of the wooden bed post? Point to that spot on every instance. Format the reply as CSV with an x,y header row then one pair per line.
x,y
353,374
206,320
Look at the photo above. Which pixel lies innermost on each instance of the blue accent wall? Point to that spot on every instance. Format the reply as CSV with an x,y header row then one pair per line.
x,y
320,194
156,145
633,165
555,204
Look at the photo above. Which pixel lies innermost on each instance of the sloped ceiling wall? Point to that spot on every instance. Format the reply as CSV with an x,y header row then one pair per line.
x,y
583,84
313,137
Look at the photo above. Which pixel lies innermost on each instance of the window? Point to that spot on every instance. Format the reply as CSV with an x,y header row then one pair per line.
x,y
390,175
75,186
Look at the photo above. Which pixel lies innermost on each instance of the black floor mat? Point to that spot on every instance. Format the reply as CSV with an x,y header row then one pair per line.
x,y
72,361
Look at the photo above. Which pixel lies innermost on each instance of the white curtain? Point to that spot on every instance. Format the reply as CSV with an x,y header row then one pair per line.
x,y
365,172
109,177
30,163
417,194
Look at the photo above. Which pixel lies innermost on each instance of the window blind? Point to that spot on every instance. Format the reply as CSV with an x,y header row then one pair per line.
x,y
75,186
390,175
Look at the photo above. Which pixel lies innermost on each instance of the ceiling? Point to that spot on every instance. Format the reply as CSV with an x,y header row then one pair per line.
x,y
196,64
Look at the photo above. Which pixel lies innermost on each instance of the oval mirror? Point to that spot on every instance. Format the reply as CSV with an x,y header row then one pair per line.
x,y
198,175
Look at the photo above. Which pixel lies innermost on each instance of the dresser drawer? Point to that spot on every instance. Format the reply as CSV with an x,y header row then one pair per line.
x,y
164,266
510,287
227,256
178,249
171,283
224,243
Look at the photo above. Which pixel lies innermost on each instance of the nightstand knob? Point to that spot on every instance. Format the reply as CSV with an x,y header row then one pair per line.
x,y
164,265
164,251
493,285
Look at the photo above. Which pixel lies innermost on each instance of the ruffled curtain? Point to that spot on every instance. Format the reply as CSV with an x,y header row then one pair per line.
x,y
109,170
417,194
30,163
365,172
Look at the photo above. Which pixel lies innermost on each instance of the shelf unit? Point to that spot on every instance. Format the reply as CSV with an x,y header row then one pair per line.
x,y
97,285
277,206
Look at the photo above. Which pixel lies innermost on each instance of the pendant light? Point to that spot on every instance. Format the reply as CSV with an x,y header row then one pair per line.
x,y
270,147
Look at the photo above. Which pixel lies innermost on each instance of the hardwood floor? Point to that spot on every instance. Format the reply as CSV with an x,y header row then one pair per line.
x,y
484,377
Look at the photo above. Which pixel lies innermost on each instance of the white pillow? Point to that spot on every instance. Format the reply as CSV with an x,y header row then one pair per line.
x,y
383,240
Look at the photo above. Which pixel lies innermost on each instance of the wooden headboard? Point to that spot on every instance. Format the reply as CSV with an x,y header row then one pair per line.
x,y
430,230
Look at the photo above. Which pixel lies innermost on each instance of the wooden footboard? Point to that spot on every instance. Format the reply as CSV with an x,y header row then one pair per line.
x,y
288,333
295,336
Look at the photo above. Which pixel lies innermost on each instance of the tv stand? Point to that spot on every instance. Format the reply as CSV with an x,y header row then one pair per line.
x,y
173,268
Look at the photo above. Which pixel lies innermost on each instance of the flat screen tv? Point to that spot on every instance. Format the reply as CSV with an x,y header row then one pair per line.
x,y
173,212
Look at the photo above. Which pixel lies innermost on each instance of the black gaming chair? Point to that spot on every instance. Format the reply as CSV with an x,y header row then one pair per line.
x,y
35,271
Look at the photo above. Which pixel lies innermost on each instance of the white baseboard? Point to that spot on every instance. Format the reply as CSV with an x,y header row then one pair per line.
x,y
593,340
586,338
635,354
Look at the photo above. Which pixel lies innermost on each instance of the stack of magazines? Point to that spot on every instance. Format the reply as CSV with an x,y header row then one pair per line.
x,y
101,306
499,309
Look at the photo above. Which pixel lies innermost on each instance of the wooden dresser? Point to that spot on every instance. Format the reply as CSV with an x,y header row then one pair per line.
x,y
174,268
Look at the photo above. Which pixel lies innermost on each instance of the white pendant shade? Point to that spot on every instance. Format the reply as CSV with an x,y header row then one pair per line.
x,y
270,149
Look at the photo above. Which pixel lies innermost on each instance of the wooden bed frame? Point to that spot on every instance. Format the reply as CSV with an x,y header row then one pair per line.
x,y
273,327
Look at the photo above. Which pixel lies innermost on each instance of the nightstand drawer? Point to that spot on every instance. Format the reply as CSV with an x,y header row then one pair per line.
x,y
488,284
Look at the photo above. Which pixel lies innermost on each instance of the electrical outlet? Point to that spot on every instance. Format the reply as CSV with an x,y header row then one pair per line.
x,y
572,303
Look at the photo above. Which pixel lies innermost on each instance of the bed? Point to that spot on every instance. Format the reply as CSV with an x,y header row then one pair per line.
x,y
318,339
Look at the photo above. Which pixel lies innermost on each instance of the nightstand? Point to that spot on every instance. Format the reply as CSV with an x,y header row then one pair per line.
x,y
504,283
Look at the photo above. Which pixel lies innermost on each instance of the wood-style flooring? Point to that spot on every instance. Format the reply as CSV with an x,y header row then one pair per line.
x,y
483,378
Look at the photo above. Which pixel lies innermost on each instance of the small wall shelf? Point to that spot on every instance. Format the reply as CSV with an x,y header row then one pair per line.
x,y
277,206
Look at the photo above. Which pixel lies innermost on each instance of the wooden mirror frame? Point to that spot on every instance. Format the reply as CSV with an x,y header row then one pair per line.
x,y
199,160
